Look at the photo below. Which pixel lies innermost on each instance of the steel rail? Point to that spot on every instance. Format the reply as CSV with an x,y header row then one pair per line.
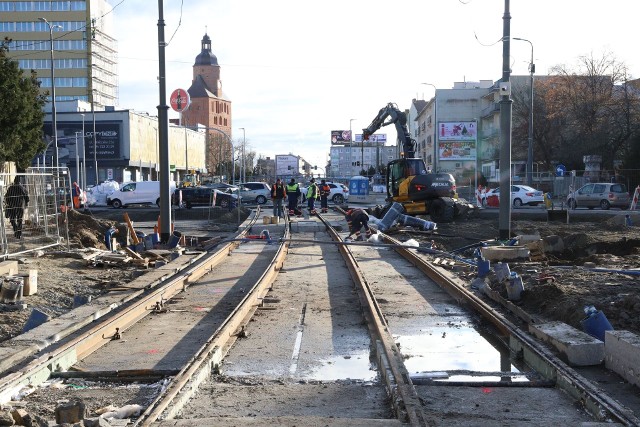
x,y
208,358
551,367
89,340
404,396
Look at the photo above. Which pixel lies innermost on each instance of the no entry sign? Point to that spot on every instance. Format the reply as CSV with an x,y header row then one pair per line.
x,y
180,100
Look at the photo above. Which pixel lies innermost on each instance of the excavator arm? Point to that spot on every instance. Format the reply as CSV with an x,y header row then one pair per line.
x,y
394,116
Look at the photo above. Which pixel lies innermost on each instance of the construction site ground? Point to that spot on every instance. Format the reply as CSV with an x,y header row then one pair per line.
x,y
603,242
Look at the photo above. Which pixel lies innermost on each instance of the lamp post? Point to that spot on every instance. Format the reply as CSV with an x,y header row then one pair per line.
x,y
54,118
351,136
435,124
95,142
78,161
243,171
532,69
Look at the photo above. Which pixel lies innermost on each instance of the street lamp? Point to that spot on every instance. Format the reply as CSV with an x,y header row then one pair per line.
x,y
78,161
54,118
532,69
243,174
95,142
351,142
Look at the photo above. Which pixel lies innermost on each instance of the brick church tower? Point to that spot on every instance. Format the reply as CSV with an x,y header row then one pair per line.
x,y
210,108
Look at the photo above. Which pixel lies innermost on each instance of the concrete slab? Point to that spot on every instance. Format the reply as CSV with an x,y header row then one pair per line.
x,y
622,354
307,226
579,348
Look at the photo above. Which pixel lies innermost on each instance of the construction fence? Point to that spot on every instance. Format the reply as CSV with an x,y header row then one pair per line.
x,y
34,206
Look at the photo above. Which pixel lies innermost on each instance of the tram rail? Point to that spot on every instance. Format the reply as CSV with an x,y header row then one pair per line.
x,y
404,398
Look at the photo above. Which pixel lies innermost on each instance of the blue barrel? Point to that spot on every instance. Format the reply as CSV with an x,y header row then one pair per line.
x,y
596,325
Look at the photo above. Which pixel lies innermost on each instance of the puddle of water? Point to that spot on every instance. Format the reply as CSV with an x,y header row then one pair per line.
x,y
354,366
447,347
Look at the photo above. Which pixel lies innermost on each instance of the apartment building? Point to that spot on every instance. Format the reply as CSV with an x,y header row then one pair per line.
x,y
84,50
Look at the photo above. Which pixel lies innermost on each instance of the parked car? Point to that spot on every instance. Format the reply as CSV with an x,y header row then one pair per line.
x,y
258,192
600,194
520,195
203,196
339,192
222,186
138,193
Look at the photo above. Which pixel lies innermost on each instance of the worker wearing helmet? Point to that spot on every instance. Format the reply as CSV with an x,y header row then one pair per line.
x,y
357,219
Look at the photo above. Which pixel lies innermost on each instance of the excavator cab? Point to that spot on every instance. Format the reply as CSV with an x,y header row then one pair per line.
x,y
400,173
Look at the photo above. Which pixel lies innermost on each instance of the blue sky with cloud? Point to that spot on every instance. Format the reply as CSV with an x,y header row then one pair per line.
x,y
295,70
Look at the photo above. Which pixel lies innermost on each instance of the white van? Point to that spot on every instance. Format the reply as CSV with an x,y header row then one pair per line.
x,y
138,193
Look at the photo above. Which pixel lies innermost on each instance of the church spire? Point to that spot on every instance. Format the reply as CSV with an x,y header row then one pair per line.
x,y
206,57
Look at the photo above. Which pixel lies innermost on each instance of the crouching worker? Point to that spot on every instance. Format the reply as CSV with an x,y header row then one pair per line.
x,y
357,219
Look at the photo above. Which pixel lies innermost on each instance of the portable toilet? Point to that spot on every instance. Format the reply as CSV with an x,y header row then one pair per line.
x,y
358,188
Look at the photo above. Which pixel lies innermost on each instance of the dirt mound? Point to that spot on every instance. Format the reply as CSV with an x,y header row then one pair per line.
x,y
86,231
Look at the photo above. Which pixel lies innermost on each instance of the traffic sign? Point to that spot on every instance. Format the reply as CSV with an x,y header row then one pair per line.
x,y
180,100
560,169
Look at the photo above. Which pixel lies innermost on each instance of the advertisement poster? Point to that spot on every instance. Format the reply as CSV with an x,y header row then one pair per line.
x,y
377,139
286,165
457,131
458,150
107,142
340,137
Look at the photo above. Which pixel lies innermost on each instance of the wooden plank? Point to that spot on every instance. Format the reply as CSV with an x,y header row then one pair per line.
x,y
133,253
131,229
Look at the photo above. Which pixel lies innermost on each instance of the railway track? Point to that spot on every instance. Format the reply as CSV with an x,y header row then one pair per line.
x,y
298,333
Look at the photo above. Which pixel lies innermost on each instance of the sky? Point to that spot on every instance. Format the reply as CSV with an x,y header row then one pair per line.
x,y
295,70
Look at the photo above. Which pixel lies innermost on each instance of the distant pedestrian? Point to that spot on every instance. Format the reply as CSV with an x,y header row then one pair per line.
x,y
356,220
15,202
325,191
76,194
312,195
293,193
278,194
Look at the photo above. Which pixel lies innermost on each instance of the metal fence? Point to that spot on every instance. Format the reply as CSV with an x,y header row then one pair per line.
x,y
34,206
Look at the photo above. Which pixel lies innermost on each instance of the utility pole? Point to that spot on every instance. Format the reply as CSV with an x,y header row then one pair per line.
x,y
504,218
163,125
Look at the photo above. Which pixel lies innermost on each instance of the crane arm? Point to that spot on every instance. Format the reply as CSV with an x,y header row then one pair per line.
x,y
394,116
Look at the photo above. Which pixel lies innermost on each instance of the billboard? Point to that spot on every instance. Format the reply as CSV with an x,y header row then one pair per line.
x,y
457,140
458,150
108,138
457,131
340,137
375,139
286,165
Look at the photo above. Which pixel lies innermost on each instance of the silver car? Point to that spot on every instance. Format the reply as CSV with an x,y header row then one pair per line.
x,y
258,192
600,194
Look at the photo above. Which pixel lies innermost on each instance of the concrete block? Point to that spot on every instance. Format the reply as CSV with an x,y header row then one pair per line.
x,y
96,422
8,268
30,282
504,253
70,412
21,417
579,348
622,354
525,239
